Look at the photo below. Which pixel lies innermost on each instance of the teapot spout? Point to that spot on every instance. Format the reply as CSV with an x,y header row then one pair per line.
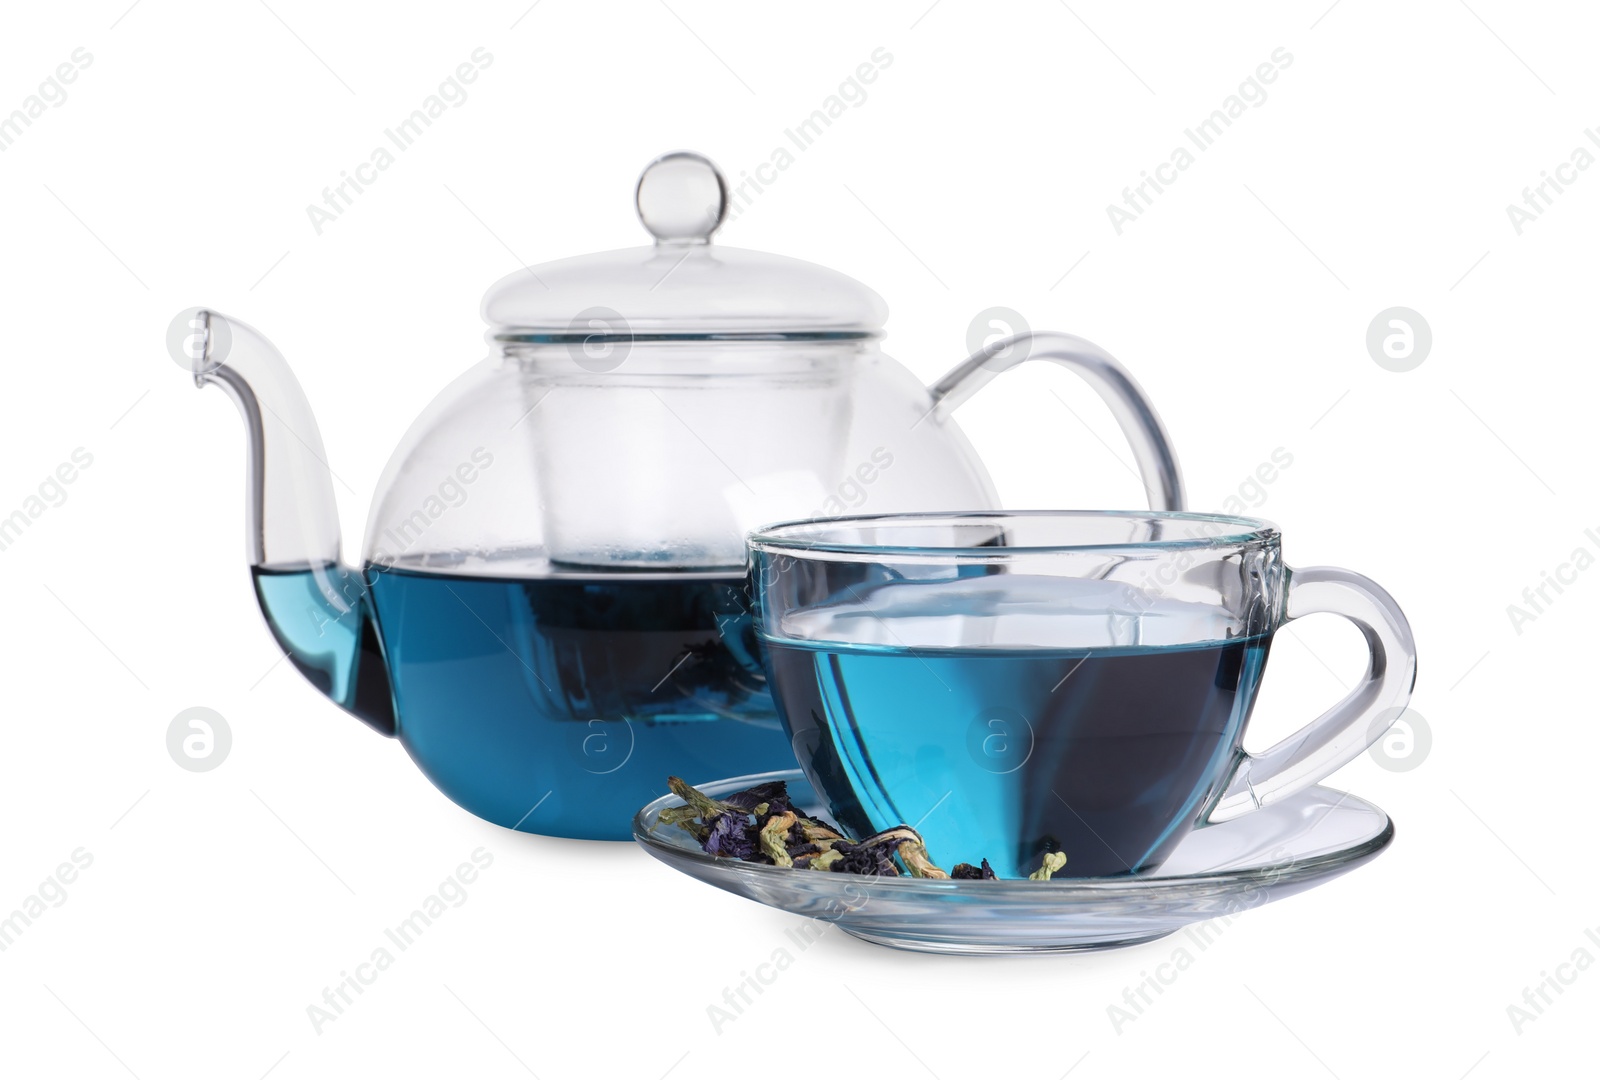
x,y
319,610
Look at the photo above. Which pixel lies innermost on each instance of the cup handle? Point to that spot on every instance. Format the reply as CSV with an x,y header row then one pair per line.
x,y
1344,731
1137,417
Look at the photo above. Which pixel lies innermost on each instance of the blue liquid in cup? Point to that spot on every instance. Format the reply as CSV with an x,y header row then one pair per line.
x,y
1107,753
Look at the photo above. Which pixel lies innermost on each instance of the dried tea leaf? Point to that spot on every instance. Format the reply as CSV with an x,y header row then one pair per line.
x,y
774,838
703,804
817,830
912,851
760,824
686,818
873,856
1053,861
827,860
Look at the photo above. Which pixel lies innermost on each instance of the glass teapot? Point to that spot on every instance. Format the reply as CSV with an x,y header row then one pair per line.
x,y
550,611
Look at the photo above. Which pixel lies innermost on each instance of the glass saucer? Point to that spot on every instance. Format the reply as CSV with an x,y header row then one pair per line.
x,y
1219,870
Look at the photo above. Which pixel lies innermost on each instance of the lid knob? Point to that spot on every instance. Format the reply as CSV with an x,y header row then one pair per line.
x,y
682,198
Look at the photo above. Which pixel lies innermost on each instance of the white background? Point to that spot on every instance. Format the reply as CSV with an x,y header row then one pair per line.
x,y
977,172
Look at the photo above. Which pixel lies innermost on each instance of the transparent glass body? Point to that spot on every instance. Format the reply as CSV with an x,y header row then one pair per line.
x,y
665,463
1078,682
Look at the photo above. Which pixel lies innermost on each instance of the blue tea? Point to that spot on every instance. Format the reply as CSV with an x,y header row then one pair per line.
x,y
1108,754
556,704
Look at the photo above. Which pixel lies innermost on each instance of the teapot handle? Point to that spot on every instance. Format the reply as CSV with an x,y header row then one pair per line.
x,y
1140,424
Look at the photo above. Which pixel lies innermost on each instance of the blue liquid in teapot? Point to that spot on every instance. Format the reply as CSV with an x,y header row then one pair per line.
x,y
554,704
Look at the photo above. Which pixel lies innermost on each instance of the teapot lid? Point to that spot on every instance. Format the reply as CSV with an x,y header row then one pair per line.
x,y
681,287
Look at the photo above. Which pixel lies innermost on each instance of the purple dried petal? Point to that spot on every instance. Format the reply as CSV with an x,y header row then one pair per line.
x,y
874,857
775,794
818,823
731,836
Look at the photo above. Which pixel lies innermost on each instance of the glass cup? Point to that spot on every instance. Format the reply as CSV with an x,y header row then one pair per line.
x,y
1017,684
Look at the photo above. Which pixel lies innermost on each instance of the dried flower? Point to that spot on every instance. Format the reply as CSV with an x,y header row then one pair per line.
x,y
702,804
761,799
760,824
873,856
775,838
688,818
817,830
731,836
968,872
1053,861
912,851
